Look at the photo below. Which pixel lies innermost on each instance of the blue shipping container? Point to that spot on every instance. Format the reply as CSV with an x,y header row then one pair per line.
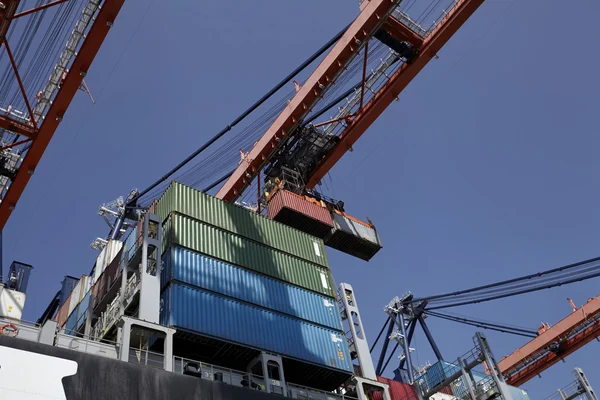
x,y
442,369
230,320
72,320
207,273
82,309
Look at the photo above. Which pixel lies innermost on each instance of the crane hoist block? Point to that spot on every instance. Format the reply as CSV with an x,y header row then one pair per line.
x,y
300,212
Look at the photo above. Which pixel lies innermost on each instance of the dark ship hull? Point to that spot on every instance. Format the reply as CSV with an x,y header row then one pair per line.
x,y
102,378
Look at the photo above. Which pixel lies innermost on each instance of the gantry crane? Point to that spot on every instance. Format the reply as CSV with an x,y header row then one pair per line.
x,y
553,344
37,126
378,18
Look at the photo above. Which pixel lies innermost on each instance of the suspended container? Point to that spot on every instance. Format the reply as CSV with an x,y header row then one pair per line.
x,y
216,276
210,315
240,221
216,243
300,212
352,236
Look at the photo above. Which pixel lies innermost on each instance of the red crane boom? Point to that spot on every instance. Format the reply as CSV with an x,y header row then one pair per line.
x,y
553,344
41,135
375,14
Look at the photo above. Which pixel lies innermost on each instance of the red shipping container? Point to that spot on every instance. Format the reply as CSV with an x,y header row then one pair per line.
x,y
398,390
300,212
63,313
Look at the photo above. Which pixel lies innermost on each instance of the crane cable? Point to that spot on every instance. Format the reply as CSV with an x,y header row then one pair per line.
x,y
257,104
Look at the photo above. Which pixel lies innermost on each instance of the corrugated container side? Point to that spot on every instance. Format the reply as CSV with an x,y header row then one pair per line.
x,y
208,273
83,306
353,237
100,289
130,243
71,321
230,320
398,390
296,211
235,219
63,312
216,243
76,294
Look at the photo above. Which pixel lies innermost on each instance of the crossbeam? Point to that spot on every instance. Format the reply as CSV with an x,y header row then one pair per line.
x,y
523,364
15,126
86,54
395,85
370,18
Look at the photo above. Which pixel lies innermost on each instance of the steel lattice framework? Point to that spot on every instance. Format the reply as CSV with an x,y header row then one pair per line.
x,y
31,131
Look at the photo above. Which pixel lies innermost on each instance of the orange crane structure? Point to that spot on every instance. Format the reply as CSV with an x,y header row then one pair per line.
x,y
553,344
34,130
375,15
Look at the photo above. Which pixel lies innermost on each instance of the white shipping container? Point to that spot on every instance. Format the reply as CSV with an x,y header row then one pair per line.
x,y
79,292
106,256
11,303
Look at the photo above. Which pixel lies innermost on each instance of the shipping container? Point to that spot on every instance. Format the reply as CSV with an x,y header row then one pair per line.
x,y
232,218
67,286
353,237
225,246
79,291
11,303
299,212
398,390
63,313
71,321
83,306
230,320
207,273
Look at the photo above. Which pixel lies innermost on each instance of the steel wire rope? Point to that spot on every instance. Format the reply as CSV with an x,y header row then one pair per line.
x,y
23,48
492,285
38,59
198,172
250,139
512,287
57,26
257,104
490,323
84,120
524,291
483,326
351,72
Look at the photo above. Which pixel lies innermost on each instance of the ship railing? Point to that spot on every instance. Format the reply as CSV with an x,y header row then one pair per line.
x,y
252,381
20,329
146,358
72,341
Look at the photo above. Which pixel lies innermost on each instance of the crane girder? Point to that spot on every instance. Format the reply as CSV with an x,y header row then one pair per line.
x,y
72,81
554,344
396,84
371,18
17,127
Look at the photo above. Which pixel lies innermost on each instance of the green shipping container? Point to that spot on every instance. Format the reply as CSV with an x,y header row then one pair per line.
x,y
235,219
198,236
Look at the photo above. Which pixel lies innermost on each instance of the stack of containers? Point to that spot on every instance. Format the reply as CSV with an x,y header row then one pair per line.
x,y
72,313
238,277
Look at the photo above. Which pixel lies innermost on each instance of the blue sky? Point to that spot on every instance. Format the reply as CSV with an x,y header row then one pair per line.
x,y
486,169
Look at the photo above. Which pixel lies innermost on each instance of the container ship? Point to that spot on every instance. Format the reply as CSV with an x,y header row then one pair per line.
x,y
198,294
